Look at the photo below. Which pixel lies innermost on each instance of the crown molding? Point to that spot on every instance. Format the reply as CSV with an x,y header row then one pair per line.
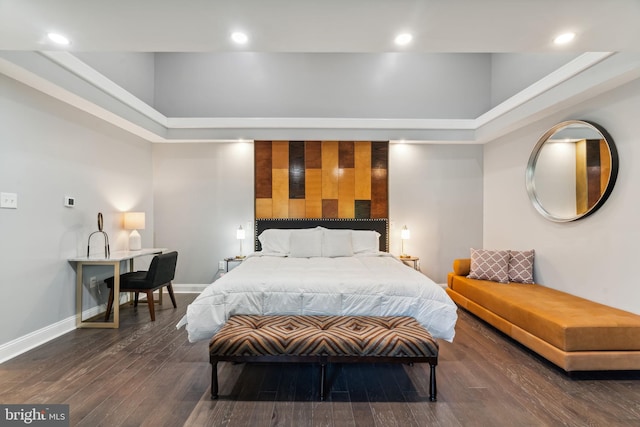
x,y
54,72
560,75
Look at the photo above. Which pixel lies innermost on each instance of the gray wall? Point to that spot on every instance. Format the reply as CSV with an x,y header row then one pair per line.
x,y
436,191
203,192
133,71
594,257
513,72
390,85
48,150
341,85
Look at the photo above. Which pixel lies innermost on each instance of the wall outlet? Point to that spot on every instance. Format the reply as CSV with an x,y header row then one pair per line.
x,y
220,265
93,282
9,200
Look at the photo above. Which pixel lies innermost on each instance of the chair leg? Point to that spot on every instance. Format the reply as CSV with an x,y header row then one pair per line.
x,y
135,299
173,298
152,310
109,305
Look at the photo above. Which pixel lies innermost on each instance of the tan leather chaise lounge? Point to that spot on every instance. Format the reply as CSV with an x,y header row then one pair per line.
x,y
574,333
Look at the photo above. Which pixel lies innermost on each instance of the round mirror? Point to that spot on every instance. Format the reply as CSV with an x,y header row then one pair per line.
x,y
572,170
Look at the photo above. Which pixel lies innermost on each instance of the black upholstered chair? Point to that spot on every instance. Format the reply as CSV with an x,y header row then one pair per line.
x,y
160,274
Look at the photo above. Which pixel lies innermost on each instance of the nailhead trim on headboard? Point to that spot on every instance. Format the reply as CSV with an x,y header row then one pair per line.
x,y
381,225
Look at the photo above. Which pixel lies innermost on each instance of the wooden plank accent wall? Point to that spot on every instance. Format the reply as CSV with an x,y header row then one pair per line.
x,y
593,169
582,203
321,179
263,180
313,179
605,166
379,180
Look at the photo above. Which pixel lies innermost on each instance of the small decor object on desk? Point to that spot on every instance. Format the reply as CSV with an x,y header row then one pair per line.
x,y
240,235
107,250
134,221
405,234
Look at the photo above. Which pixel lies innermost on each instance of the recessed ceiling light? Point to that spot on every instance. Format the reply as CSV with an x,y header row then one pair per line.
x,y
403,39
58,39
564,38
240,38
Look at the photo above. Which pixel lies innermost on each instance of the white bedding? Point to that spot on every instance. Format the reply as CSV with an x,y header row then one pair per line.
x,y
375,285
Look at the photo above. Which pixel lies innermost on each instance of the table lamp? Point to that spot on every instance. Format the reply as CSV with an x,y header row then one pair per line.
x,y
405,234
240,235
134,221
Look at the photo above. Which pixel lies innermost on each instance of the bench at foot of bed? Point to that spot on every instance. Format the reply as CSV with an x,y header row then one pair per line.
x,y
323,340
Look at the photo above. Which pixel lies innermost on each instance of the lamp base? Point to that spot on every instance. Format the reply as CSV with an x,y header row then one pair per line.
x,y
135,241
405,256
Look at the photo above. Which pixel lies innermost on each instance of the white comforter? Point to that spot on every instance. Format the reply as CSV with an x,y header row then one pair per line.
x,y
359,285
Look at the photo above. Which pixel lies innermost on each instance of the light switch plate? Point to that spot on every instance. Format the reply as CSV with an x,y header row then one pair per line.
x,y
9,200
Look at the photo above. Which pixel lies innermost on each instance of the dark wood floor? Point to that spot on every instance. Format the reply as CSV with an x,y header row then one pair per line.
x,y
148,374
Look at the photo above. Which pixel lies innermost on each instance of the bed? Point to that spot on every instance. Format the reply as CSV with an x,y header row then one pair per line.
x,y
322,291
321,267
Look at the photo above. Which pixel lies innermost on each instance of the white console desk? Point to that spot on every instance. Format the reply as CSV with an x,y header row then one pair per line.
x,y
114,261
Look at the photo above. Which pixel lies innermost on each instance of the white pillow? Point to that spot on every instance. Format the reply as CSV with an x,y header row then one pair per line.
x,y
305,243
275,241
336,243
365,241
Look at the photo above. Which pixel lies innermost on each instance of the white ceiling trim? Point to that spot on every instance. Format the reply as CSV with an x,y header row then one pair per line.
x,y
174,129
82,70
562,74
318,123
43,85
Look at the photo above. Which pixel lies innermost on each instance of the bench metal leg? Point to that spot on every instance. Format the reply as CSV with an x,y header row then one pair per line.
x,y
323,373
214,380
433,389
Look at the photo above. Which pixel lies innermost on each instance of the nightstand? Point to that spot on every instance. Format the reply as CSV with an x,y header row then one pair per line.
x,y
414,259
232,260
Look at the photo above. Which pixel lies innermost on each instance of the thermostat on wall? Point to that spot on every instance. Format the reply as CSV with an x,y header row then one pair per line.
x,y
69,202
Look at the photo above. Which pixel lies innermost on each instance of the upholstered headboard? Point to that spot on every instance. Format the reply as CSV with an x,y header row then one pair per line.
x,y
381,225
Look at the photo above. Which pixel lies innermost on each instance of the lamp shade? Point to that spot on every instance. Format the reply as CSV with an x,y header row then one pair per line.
x,y
240,234
405,234
134,221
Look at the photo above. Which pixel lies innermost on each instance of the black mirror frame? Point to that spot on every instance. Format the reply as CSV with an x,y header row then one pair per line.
x,y
533,159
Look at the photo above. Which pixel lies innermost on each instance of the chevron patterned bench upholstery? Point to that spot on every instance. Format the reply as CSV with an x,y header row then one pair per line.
x,y
323,339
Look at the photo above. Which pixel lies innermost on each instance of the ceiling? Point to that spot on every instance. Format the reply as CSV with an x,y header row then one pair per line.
x,y
607,39
321,25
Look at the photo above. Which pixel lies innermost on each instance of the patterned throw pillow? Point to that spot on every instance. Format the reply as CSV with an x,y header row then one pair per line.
x,y
489,265
521,266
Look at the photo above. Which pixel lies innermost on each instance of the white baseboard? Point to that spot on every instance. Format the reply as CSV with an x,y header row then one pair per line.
x,y
36,338
32,340
41,336
188,288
